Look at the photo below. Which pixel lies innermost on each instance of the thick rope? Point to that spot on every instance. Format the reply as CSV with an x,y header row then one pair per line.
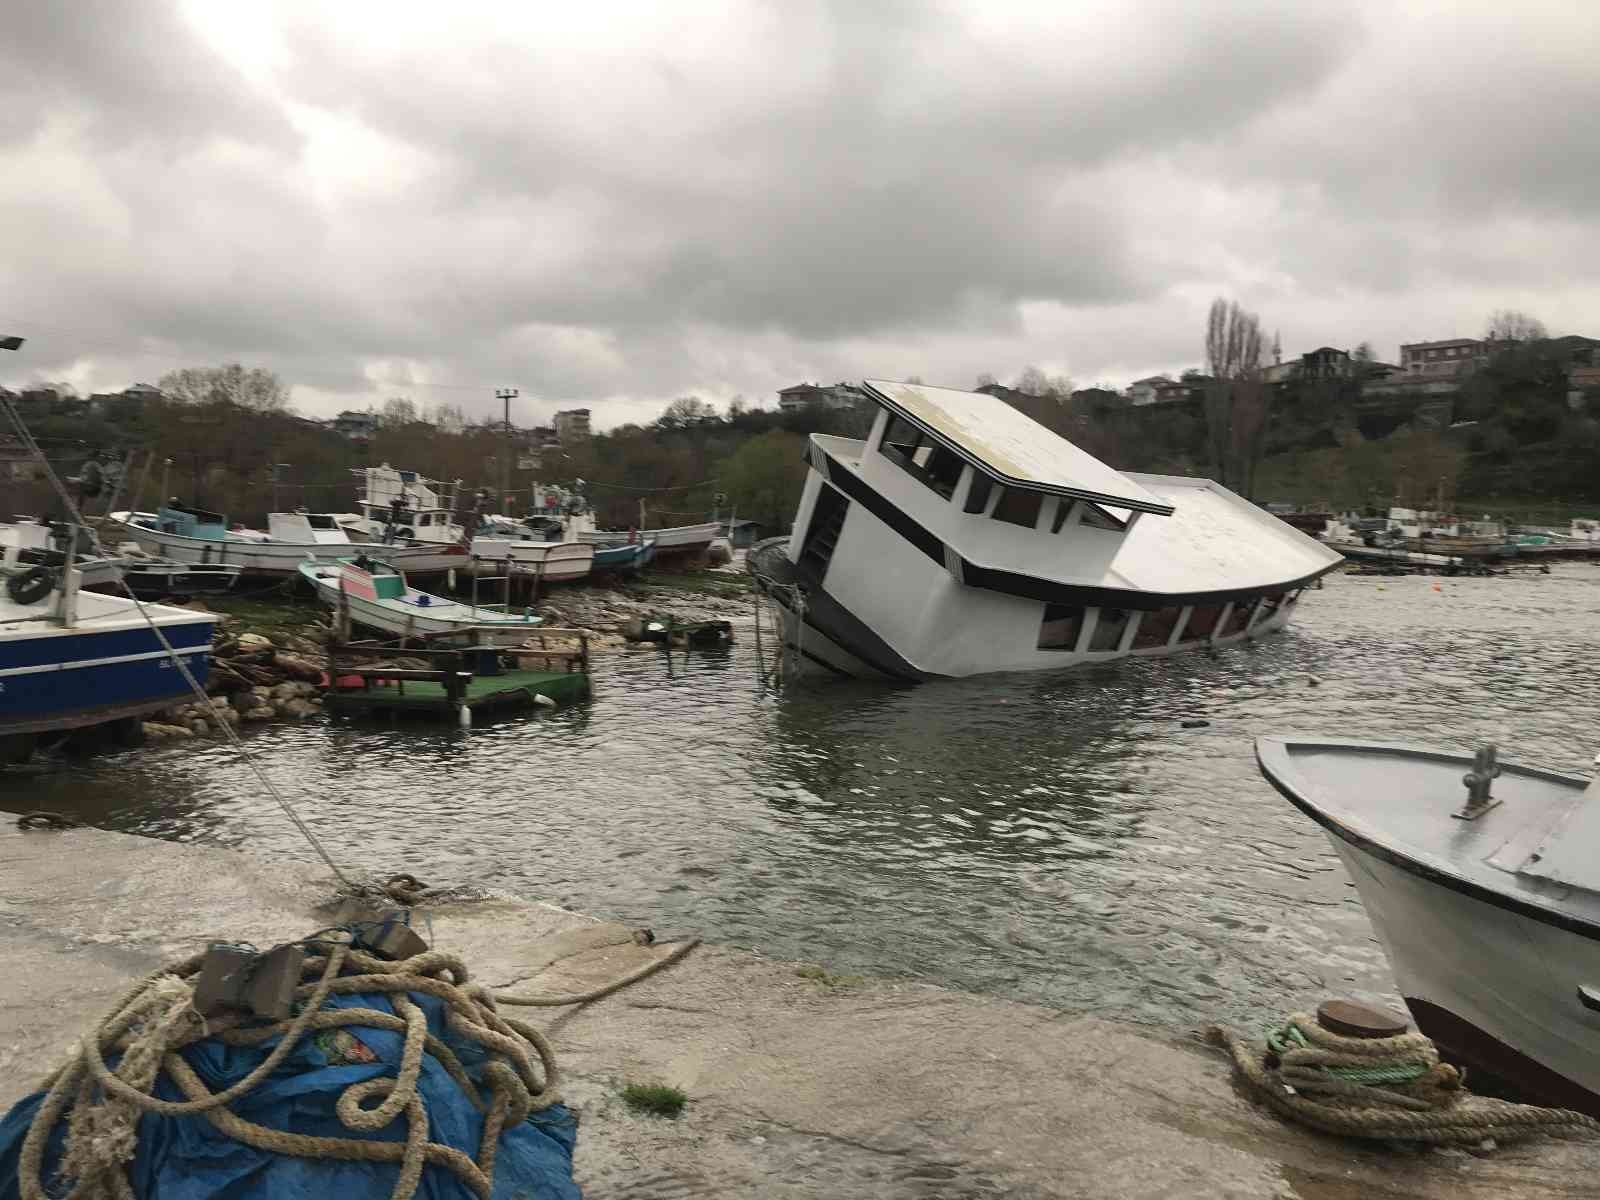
x,y
1392,1088
155,1019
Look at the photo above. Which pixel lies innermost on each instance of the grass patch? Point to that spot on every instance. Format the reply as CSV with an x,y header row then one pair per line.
x,y
834,983
654,1099
264,613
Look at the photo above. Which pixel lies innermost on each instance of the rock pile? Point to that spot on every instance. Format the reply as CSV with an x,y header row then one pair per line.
x,y
254,680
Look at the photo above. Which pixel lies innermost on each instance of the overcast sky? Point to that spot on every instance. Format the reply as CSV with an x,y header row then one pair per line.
x,y
614,204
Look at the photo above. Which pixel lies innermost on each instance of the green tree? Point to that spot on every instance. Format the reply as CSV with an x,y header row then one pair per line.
x,y
764,476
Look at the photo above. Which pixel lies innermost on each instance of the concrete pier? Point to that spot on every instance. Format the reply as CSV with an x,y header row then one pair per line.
x,y
800,1084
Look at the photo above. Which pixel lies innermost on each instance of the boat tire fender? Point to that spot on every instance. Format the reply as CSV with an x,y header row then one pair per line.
x,y
405,531
31,586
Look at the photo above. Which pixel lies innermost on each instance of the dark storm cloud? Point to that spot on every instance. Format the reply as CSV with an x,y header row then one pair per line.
x,y
619,206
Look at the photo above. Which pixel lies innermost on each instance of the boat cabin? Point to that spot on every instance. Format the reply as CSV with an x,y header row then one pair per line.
x,y
962,536
306,529
192,522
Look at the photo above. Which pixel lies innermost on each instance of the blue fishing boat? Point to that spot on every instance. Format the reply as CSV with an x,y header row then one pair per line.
x,y
625,557
70,658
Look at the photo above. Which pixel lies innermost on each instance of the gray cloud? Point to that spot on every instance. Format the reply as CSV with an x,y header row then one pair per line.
x,y
617,209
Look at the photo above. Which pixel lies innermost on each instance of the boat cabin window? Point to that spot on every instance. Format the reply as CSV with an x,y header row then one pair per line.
x,y
1060,628
1202,622
320,521
1270,605
1155,628
1098,516
425,519
920,456
1108,630
822,535
1018,507
978,494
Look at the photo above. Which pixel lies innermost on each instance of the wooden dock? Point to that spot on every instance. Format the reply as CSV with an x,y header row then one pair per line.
x,y
459,683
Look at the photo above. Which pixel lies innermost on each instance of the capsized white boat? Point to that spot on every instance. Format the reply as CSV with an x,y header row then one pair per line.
x,y
194,535
1486,897
379,597
962,537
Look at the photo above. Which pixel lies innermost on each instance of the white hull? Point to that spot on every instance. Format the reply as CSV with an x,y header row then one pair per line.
x,y
278,559
441,617
1513,979
552,562
826,646
681,539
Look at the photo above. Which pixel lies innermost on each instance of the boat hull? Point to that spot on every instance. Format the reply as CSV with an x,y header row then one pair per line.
x,y
281,560
678,541
487,627
827,638
65,679
1494,987
550,562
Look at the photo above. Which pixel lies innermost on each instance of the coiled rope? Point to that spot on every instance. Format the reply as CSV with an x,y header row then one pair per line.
x,y
155,1019
1388,1087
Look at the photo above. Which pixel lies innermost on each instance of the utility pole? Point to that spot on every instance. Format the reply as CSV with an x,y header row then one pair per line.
x,y
507,395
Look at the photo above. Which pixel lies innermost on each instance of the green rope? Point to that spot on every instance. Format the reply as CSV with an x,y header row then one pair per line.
x,y
1281,1041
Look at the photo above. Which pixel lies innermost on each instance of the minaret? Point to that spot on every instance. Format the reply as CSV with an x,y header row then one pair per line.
x,y
1277,348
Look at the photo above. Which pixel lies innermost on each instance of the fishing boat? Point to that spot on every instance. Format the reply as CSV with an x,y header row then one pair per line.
x,y
194,535
623,559
961,537
154,578
71,658
673,541
31,542
1486,900
502,543
377,595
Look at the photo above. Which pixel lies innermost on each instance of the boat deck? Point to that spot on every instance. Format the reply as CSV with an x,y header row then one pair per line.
x,y
484,694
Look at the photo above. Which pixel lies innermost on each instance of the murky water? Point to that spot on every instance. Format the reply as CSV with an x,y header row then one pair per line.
x,y
1056,838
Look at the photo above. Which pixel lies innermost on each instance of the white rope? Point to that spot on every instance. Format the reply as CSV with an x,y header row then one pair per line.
x,y
177,660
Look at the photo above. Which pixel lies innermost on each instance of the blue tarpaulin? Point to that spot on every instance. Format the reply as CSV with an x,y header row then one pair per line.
x,y
188,1158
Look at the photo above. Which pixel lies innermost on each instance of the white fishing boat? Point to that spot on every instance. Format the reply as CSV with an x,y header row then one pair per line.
x,y
504,544
71,658
31,542
1486,899
194,535
961,537
671,541
377,595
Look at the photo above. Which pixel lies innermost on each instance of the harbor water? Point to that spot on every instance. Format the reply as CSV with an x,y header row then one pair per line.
x,y
1061,838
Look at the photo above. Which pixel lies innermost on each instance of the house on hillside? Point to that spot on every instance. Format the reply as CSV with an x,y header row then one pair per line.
x,y
572,425
1448,359
356,425
1143,391
804,395
1175,391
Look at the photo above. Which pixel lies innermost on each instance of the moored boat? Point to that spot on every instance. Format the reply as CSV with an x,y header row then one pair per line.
x,y
71,658
1486,898
30,542
195,535
961,537
377,595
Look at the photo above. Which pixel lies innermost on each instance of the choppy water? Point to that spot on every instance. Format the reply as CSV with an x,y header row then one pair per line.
x,y
1056,838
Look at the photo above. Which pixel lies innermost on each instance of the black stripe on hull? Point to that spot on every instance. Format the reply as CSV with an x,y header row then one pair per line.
x,y
1565,922
1506,1068
1012,583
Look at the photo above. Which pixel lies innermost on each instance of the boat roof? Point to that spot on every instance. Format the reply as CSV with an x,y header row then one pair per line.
x,y
1011,446
1532,852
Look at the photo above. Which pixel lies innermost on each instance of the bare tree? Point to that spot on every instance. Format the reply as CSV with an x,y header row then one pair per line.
x,y
1511,325
1034,382
1238,402
256,388
985,379
397,411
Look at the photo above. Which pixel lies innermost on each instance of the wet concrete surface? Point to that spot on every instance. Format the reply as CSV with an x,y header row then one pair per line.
x,y
801,1083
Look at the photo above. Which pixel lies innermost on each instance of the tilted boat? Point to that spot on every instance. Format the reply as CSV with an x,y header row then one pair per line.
x,y
71,658
1486,899
378,596
194,535
962,537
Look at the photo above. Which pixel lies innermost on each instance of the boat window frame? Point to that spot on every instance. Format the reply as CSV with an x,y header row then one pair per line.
x,y
1032,518
1097,516
1195,614
1124,615
1141,639
925,459
1056,614
978,493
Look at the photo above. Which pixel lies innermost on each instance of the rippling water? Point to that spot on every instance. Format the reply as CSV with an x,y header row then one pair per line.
x,y
1056,838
